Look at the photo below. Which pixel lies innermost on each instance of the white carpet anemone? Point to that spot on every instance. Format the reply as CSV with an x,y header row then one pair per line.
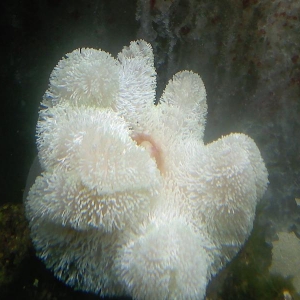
x,y
130,200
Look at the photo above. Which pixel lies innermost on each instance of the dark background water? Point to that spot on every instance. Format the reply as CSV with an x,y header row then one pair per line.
x,y
247,52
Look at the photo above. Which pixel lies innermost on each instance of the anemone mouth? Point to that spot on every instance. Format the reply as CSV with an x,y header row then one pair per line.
x,y
146,141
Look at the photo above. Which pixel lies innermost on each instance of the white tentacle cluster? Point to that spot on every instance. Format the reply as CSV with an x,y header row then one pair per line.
x,y
130,200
